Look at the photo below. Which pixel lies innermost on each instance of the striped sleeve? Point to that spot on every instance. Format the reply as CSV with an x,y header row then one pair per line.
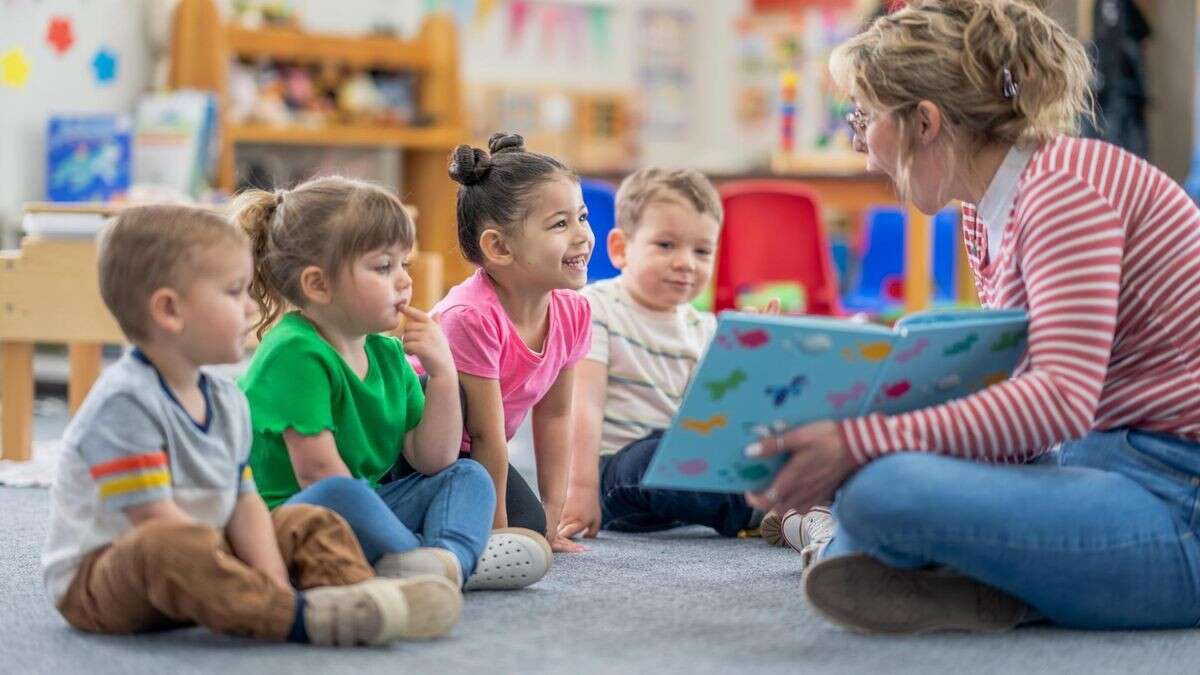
x,y
125,451
1068,249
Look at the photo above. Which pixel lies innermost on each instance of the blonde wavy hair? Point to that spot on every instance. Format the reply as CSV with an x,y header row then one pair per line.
x,y
955,54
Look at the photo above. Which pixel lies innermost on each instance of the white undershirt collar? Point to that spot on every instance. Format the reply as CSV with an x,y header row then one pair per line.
x,y
1001,193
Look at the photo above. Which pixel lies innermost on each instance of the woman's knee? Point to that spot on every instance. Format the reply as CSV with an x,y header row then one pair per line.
x,y
891,492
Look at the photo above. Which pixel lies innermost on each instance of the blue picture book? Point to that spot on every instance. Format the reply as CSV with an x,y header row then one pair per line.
x,y
762,374
88,157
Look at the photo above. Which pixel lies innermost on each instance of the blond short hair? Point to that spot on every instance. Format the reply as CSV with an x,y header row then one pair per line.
x,y
146,248
653,184
968,57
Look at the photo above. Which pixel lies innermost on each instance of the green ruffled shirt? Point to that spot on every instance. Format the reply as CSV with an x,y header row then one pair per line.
x,y
297,381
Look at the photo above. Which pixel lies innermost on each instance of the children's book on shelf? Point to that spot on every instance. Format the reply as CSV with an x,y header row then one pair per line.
x,y
87,157
763,374
174,141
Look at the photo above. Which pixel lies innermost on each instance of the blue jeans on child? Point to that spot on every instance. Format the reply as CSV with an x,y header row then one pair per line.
x,y
626,506
451,509
1103,536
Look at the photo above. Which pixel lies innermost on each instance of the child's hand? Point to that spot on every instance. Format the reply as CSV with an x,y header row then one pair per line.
x,y
424,339
559,543
581,513
772,308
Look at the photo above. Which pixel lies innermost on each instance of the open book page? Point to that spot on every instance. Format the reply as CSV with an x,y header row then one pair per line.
x,y
936,361
763,374
760,375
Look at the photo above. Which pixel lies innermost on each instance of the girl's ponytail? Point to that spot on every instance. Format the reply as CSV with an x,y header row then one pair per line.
x,y
254,212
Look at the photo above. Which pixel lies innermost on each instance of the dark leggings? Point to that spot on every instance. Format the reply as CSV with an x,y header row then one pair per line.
x,y
523,506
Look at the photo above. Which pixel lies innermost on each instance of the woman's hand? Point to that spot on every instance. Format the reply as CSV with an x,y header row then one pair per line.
x,y
820,462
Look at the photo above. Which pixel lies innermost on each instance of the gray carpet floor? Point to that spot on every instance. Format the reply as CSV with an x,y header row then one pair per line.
x,y
679,602
685,602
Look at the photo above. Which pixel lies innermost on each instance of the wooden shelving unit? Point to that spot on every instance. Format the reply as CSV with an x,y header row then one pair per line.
x,y
203,46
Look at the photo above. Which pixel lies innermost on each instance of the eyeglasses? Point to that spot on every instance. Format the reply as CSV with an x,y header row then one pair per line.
x,y
858,120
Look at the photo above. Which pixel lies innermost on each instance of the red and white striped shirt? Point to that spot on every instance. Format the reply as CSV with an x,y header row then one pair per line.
x,y
1103,250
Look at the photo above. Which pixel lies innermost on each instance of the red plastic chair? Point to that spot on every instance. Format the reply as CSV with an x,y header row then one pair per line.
x,y
773,232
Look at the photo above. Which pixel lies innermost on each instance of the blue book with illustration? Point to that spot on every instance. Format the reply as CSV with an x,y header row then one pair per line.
x,y
763,374
88,157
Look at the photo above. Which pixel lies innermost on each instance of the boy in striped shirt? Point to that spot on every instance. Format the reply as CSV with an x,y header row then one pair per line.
x,y
646,340
155,519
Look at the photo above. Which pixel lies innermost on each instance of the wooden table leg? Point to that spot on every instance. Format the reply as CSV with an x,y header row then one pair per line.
x,y
16,400
84,362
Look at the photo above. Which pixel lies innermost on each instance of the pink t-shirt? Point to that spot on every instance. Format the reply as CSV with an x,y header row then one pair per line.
x,y
486,344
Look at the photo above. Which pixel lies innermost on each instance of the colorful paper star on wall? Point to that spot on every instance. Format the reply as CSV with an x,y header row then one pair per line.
x,y
14,68
105,65
60,34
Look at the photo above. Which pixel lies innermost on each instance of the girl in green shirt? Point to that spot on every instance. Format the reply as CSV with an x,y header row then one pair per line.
x,y
335,404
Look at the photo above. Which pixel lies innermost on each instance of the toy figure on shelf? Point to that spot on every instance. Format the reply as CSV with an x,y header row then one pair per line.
x,y
254,14
358,98
787,109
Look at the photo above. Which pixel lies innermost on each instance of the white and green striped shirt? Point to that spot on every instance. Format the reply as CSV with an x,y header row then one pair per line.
x,y
650,357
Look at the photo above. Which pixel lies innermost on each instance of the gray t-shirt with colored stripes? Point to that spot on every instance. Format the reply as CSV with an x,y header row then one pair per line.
x,y
132,443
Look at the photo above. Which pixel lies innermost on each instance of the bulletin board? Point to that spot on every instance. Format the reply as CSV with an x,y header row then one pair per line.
x,y
61,56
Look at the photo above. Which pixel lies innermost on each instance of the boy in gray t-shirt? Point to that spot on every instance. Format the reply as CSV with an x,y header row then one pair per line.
x,y
155,519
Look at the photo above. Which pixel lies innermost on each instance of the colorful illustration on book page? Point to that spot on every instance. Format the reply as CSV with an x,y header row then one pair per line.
x,y
872,352
718,388
840,399
811,345
962,346
745,339
705,427
779,394
1009,340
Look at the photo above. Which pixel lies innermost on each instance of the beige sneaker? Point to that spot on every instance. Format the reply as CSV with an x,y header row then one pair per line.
x,y
380,611
515,558
808,533
423,560
862,594
769,528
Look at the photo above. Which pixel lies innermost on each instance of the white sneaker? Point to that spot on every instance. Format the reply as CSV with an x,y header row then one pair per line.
x,y
423,560
514,558
808,533
380,611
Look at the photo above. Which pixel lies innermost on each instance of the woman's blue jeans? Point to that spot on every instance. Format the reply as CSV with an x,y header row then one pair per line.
x,y
451,509
1104,536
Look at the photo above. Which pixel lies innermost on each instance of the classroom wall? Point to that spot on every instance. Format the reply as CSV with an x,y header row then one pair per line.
x,y
58,83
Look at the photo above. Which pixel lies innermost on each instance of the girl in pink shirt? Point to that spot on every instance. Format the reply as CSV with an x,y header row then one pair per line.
x,y
517,327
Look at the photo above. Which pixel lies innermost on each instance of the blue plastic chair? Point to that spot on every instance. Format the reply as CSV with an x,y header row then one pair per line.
x,y
883,259
600,198
945,256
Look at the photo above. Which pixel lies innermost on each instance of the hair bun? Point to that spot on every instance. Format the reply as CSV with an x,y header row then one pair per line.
x,y
469,165
502,142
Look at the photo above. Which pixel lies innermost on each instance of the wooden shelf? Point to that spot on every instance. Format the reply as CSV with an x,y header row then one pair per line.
x,y
423,138
204,45
292,45
825,164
